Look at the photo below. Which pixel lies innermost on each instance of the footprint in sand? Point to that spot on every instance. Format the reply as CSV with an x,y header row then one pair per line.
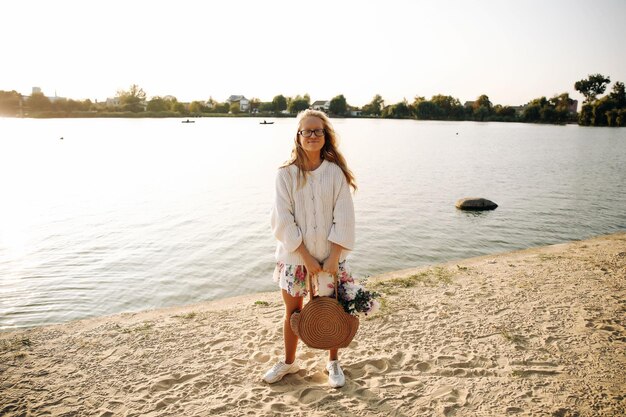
x,y
449,394
247,336
423,366
239,362
311,395
377,366
409,382
278,408
444,359
371,367
169,382
260,357
444,391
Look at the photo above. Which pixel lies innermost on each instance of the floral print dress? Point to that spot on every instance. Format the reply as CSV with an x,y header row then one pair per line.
x,y
292,278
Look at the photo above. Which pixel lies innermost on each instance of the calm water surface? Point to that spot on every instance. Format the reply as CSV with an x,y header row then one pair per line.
x,y
127,215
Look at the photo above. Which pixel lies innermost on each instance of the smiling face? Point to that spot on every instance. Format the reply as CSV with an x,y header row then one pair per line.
x,y
312,144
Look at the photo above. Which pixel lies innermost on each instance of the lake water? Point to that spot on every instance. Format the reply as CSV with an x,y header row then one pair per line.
x,y
127,215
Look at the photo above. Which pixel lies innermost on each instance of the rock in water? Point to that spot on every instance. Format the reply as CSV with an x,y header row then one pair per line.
x,y
471,203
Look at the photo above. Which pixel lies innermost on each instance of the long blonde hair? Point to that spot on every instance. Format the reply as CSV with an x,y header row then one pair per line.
x,y
329,152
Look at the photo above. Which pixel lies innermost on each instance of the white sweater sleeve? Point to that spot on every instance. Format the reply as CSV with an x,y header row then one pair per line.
x,y
283,221
342,229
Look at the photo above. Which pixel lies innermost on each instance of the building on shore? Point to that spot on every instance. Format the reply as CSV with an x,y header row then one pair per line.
x,y
244,103
321,105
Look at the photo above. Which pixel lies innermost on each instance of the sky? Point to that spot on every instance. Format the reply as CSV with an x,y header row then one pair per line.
x,y
511,51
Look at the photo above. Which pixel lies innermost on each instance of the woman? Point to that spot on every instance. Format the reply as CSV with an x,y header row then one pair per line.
x,y
313,221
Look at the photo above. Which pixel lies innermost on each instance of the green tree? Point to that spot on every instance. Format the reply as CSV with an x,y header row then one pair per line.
x,y
399,110
618,95
621,118
235,108
71,106
561,105
222,108
561,102
10,103
541,110
375,106
601,108
338,105
611,117
177,106
174,105
198,107
592,87
425,109
483,101
547,114
132,99
266,107
450,108
60,105
38,102
298,104
586,115
255,104
505,113
481,113
402,110
482,108
279,103
532,112
158,104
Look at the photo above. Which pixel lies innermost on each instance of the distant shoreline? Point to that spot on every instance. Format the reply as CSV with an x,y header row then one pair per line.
x,y
169,115
141,115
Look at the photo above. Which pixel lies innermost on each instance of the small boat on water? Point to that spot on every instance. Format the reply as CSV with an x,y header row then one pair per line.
x,y
188,121
264,122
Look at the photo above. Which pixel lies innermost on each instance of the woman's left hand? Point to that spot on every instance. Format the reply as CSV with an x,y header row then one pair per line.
x,y
331,265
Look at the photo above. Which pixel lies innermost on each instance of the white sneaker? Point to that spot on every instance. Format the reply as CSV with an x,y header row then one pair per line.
x,y
336,379
279,370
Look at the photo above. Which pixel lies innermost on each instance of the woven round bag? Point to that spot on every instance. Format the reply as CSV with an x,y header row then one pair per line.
x,y
323,323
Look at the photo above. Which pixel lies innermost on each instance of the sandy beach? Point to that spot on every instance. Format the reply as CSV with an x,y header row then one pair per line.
x,y
537,332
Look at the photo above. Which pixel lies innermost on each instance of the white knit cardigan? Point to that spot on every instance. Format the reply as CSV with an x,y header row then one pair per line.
x,y
318,213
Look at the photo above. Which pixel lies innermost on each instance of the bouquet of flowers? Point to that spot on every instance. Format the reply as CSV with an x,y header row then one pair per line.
x,y
356,299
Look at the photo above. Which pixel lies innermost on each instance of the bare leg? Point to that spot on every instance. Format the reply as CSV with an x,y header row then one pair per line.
x,y
333,354
291,340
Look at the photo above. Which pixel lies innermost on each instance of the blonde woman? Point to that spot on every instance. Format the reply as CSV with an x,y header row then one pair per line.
x,y
313,222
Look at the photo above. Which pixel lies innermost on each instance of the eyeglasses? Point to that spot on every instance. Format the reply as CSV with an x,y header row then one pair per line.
x,y
307,133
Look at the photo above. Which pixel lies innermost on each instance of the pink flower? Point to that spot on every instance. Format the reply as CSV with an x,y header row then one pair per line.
x,y
345,277
300,273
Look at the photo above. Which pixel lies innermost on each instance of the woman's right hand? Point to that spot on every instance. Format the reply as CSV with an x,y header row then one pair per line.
x,y
313,267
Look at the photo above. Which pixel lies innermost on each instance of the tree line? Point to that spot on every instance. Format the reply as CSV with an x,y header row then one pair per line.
x,y
609,110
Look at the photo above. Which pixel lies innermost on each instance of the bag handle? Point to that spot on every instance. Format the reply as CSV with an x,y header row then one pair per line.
x,y
309,285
